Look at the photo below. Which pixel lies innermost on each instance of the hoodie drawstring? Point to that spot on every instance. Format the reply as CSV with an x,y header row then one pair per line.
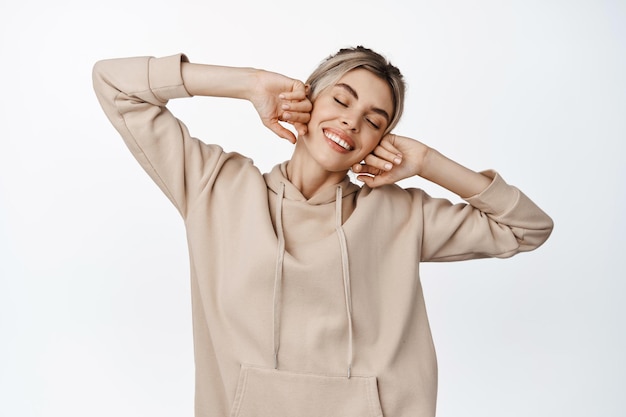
x,y
345,271
278,276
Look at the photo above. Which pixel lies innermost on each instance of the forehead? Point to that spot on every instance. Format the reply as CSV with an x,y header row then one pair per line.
x,y
369,88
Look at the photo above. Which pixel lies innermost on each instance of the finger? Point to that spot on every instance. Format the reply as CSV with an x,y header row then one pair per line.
x,y
302,106
369,181
302,128
389,145
366,169
292,95
379,163
372,182
295,117
281,131
298,92
389,155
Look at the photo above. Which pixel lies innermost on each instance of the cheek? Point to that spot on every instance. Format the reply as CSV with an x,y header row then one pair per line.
x,y
371,143
319,113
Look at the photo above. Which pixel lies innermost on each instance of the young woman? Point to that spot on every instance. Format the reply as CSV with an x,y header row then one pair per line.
x,y
305,287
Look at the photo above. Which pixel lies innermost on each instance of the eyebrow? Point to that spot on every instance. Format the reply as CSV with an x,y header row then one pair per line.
x,y
353,93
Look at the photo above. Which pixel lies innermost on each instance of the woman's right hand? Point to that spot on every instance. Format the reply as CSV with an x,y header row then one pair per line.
x,y
278,98
275,97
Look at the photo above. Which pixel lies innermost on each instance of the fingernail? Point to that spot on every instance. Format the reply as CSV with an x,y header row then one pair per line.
x,y
286,116
388,166
285,106
281,96
397,161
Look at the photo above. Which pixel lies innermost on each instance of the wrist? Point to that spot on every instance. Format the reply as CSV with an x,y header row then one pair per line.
x,y
425,156
218,81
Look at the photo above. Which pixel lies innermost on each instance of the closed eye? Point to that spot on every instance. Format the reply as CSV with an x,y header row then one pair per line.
x,y
374,125
340,102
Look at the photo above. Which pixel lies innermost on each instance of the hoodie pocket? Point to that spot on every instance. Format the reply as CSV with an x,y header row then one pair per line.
x,y
263,392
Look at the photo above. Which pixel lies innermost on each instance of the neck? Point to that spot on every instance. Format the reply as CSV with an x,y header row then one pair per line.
x,y
309,177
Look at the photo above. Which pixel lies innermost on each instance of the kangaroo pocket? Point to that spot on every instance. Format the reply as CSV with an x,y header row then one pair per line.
x,y
263,392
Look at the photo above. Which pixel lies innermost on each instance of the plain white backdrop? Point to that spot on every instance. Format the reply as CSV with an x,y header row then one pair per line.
x,y
95,314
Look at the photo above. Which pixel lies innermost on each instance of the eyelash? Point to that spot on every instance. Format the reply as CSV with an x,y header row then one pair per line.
x,y
374,125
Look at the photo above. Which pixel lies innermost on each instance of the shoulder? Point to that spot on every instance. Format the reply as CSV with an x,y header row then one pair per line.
x,y
392,193
234,164
391,200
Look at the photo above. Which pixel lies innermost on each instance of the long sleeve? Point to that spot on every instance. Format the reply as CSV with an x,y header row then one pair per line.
x,y
133,93
499,222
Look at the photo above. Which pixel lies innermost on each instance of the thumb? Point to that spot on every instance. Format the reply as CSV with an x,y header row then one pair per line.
x,y
368,180
281,131
376,181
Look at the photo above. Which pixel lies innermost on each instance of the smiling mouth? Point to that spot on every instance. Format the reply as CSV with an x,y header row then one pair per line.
x,y
338,140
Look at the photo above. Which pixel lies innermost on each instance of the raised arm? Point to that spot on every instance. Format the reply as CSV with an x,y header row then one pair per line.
x,y
399,157
134,93
499,220
274,96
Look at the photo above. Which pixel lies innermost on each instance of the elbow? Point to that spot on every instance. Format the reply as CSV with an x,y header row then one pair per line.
x,y
537,236
97,71
98,78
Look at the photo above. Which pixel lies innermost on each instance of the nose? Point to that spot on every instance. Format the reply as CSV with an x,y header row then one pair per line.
x,y
350,121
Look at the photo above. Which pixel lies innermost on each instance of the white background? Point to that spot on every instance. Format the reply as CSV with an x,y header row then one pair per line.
x,y
94,289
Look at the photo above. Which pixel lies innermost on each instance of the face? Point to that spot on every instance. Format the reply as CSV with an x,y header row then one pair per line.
x,y
348,120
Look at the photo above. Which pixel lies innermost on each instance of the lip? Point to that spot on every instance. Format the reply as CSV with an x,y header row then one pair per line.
x,y
342,135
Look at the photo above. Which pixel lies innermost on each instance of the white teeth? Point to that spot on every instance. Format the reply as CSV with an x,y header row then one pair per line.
x,y
338,140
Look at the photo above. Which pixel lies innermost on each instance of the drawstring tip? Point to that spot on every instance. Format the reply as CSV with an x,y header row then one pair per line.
x,y
276,360
349,371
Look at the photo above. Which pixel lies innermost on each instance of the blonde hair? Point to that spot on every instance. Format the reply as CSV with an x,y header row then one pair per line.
x,y
336,66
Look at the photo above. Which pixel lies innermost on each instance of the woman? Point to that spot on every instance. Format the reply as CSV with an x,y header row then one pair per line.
x,y
305,286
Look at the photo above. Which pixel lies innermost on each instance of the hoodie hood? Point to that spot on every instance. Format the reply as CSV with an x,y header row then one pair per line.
x,y
325,195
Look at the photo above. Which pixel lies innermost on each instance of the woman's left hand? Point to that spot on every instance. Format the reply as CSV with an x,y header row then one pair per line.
x,y
394,159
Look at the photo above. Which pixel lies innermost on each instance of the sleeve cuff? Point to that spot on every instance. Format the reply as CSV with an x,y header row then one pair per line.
x,y
165,77
498,198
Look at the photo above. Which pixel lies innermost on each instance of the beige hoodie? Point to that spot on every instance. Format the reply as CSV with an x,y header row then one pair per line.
x,y
304,307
